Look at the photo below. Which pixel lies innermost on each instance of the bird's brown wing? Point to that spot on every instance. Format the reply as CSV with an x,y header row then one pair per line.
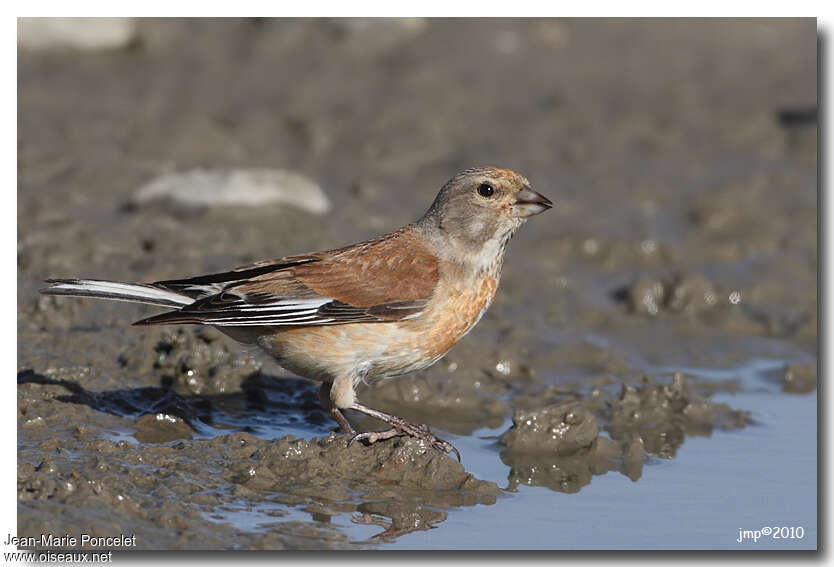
x,y
386,279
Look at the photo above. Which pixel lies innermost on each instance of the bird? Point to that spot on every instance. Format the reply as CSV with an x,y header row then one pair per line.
x,y
367,312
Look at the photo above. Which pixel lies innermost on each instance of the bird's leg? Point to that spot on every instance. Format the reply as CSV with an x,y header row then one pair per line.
x,y
399,426
326,403
343,422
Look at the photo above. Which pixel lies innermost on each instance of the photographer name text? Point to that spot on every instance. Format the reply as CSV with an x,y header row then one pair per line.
x,y
66,540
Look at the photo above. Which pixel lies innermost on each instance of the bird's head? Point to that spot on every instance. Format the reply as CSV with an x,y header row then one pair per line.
x,y
481,206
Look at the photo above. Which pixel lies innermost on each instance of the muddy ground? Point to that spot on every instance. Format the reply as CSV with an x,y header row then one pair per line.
x,y
681,156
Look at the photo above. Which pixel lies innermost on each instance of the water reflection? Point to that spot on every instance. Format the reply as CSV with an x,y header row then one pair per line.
x,y
570,473
397,518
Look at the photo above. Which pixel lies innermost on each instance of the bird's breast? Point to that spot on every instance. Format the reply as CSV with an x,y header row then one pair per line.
x,y
454,311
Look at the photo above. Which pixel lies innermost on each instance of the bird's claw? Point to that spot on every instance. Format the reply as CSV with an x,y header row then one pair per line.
x,y
373,436
446,447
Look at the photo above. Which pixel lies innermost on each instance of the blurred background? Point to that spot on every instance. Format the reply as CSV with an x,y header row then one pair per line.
x,y
682,158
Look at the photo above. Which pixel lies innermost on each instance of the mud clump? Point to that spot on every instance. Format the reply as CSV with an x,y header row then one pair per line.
x,y
689,294
760,306
799,378
160,428
559,447
662,415
327,467
556,430
646,296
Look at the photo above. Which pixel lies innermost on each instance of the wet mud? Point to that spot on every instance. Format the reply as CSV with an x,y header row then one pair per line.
x,y
683,245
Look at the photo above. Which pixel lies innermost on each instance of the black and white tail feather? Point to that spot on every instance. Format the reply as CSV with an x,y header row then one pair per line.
x,y
148,294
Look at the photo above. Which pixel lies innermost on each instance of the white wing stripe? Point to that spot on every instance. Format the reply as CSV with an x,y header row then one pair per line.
x,y
245,322
270,311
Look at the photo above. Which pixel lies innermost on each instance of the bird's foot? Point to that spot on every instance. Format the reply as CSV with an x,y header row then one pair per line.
x,y
399,427
418,432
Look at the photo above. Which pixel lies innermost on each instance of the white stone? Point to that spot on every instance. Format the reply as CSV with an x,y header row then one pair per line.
x,y
75,33
237,187
378,35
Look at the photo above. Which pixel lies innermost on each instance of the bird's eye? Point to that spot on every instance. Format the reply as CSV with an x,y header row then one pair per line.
x,y
486,190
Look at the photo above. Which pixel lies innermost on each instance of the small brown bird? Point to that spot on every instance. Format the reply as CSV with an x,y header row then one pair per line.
x,y
365,312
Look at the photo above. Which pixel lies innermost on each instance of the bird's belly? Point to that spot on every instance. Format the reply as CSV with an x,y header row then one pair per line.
x,y
366,350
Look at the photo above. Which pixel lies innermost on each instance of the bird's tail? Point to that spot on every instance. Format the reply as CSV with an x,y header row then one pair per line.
x,y
149,294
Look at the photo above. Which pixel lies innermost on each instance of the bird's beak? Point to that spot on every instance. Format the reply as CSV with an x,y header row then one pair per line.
x,y
529,203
